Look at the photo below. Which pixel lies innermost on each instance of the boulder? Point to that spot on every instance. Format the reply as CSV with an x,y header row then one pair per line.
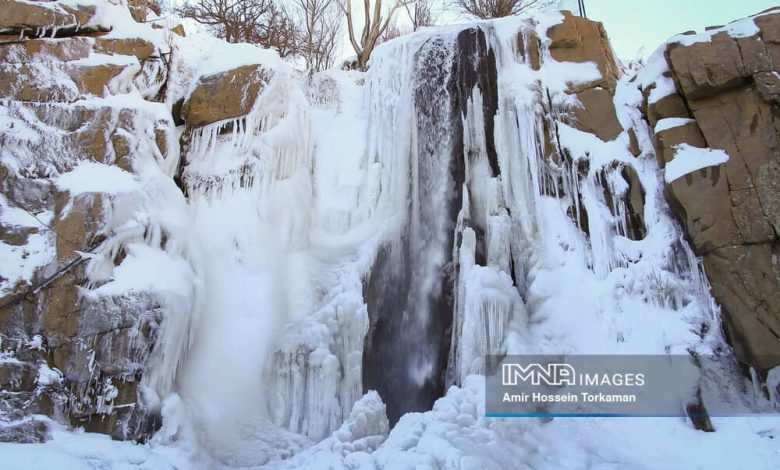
x,y
97,79
596,114
36,81
578,39
138,47
745,281
768,85
179,30
707,68
46,18
225,95
668,106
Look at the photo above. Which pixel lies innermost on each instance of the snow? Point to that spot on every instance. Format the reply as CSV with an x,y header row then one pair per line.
x,y
78,450
688,159
93,177
21,262
668,123
224,56
743,28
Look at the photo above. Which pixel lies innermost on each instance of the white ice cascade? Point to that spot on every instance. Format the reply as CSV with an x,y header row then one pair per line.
x,y
249,189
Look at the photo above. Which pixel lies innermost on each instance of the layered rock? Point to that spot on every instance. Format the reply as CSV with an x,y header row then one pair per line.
x,y
580,40
719,91
74,346
43,18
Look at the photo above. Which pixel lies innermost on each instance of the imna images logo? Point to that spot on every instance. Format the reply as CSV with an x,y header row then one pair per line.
x,y
559,374
551,374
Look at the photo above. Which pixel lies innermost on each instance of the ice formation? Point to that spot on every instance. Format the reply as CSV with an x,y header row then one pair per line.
x,y
346,236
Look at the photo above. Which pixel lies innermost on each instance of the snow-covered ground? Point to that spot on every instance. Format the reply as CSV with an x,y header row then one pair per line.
x,y
285,212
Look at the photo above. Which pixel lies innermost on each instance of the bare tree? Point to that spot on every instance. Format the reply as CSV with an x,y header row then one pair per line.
x,y
391,32
420,13
320,27
261,22
499,8
374,25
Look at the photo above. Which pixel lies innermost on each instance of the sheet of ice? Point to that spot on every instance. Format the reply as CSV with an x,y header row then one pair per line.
x,y
688,159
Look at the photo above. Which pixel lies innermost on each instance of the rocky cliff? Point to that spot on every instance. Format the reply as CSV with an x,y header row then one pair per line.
x,y
719,90
148,191
80,104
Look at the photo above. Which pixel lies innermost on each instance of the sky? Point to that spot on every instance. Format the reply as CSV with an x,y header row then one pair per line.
x,y
633,24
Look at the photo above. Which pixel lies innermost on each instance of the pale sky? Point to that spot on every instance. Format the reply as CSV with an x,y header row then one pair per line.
x,y
632,24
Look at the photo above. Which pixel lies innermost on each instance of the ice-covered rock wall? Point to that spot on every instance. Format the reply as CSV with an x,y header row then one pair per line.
x,y
100,280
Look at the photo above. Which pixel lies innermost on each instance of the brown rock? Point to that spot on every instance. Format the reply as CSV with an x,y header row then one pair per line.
x,y
749,217
741,123
32,82
139,9
769,24
755,56
140,48
531,50
32,431
17,376
668,106
665,141
78,219
633,143
43,18
179,30
707,68
95,79
597,114
768,85
635,205
745,283
225,95
731,213
123,151
579,39
701,203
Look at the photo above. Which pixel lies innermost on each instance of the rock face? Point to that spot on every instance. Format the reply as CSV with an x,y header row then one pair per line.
x,y
67,350
725,97
580,40
42,18
225,95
